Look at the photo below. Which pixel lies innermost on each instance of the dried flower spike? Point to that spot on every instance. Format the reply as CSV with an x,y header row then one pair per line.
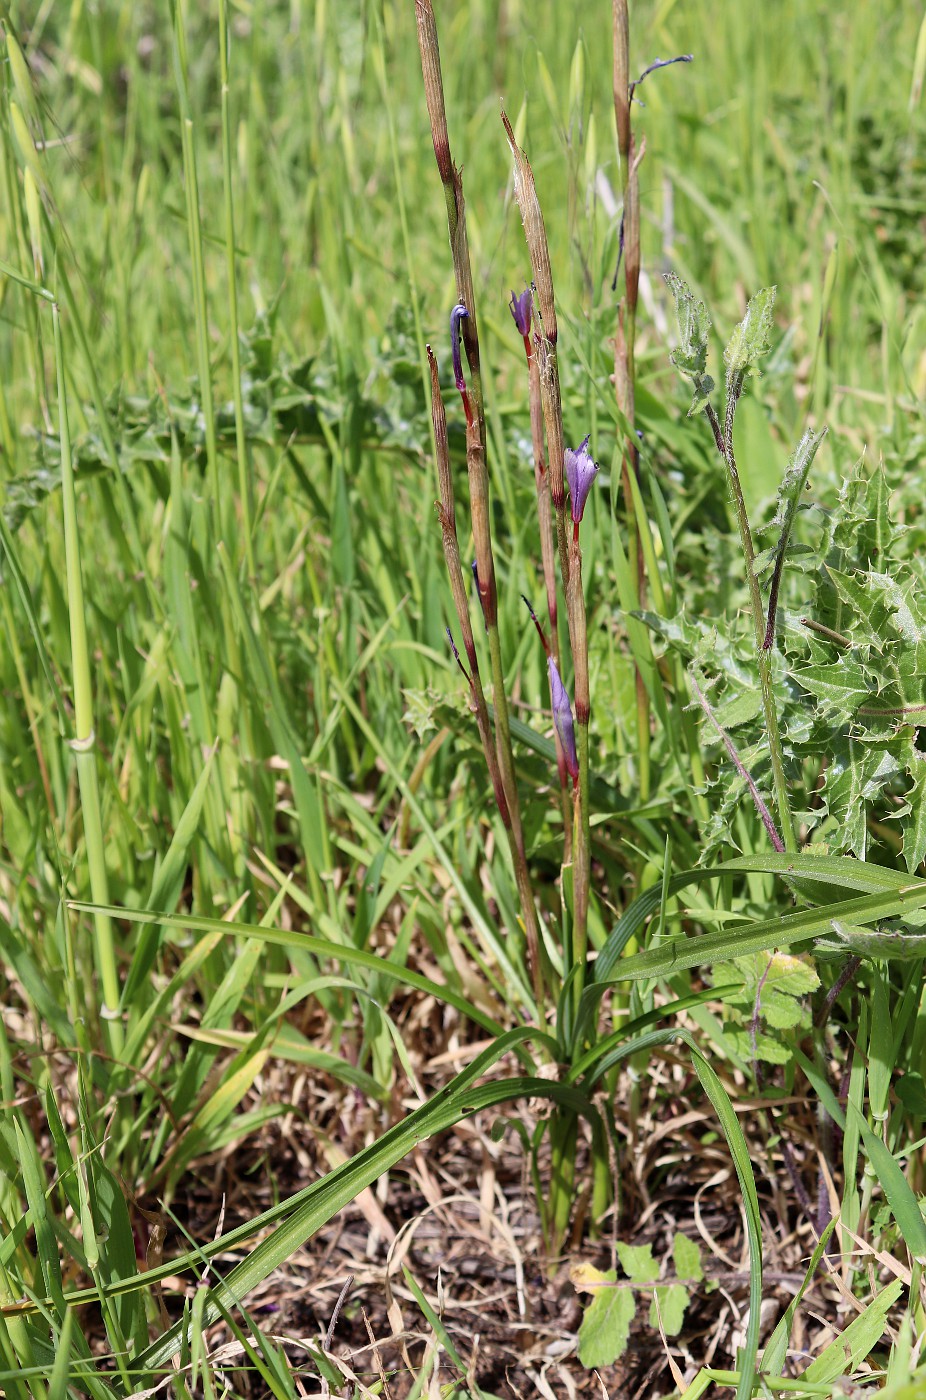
x,y
562,719
521,308
580,474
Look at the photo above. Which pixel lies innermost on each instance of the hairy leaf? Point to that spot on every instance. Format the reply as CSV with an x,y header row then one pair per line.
x,y
751,339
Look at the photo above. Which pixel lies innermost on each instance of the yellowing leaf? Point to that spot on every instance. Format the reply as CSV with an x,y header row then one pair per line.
x,y
605,1327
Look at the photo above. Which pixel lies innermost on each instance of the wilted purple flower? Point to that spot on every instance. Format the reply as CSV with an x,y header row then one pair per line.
x,y
521,308
580,473
562,718
456,316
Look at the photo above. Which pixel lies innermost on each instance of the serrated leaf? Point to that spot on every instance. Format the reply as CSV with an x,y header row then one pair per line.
x,y
420,706
637,1262
782,974
913,825
840,687
858,773
694,325
901,601
673,1300
761,1046
751,339
687,1256
605,1326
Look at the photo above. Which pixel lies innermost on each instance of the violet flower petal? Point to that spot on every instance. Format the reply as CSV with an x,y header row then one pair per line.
x,y
562,718
580,474
521,308
456,316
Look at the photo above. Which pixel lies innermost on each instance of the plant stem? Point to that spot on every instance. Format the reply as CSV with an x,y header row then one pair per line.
x,y
724,441
84,741
581,856
241,445
545,526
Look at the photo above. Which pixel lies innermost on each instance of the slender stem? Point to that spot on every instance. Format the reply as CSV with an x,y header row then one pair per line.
x,y
581,856
241,444
724,441
545,525
84,742
197,263
581,862
509,778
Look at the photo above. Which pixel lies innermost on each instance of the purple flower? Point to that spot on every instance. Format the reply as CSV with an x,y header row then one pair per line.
x,y
456,316
562,718
580,473
521,308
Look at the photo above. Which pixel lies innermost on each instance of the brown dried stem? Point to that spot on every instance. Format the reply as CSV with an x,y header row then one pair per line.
x,y
476,464
545,525
539,253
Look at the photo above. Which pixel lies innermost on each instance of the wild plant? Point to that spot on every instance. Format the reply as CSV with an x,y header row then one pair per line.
x,y
607,951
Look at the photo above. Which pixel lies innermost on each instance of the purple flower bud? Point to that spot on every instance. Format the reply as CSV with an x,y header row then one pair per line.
x,y
521,308
456,316
562,719
580,473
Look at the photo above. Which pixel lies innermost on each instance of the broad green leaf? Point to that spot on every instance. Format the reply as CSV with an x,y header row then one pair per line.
x,y
772,986
687,1256
675,954
913,824
672,1301
750,341
605,1326
637,1262
840,687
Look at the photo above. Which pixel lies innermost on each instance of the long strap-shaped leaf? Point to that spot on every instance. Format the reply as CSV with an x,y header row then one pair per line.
x,y
321,947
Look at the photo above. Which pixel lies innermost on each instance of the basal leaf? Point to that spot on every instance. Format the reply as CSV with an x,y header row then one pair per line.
x,y
840,687
672,1299
605,1326
687,1256
637,1262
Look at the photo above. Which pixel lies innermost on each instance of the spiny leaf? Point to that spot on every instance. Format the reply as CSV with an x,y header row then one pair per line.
x,y
913,825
